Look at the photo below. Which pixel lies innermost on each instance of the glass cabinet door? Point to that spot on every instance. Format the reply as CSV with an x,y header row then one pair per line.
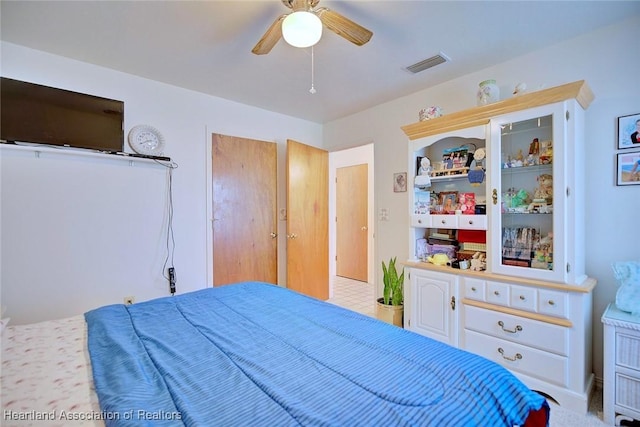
x,y
527,201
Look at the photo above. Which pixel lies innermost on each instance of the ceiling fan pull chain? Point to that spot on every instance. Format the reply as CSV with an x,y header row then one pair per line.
x,y
313,89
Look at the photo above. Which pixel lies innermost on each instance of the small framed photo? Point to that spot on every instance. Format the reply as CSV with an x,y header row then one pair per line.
x,y
400,182
629,131
421,249
448,200
628,168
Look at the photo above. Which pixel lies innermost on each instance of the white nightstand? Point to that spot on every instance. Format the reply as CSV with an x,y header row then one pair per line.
x,y
621,366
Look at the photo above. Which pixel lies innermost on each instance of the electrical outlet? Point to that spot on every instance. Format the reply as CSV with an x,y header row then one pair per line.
x,y
129,300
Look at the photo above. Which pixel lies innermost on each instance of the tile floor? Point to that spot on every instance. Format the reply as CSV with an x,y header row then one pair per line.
x,y
354,295
360,296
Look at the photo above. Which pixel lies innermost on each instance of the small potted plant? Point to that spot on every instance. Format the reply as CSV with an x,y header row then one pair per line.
x,y
390,307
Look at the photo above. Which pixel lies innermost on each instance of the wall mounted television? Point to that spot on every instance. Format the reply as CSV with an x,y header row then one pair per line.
x,y
33,113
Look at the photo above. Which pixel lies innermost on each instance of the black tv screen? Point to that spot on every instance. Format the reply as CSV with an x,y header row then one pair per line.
x,y
34,113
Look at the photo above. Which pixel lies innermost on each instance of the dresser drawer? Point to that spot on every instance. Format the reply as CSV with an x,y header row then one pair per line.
x,y
628,349
553,303
532,333
524,298
444,221
472,222
474,289
421,220
548,367
627,391
497,293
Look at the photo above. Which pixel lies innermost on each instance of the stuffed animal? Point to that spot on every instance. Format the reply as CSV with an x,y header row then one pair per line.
x,y
478,261
521,198
545,188
627,275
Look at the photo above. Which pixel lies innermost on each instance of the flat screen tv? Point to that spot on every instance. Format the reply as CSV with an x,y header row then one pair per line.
x,y
39,114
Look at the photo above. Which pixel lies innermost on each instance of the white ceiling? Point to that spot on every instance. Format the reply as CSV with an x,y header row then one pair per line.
x,y
206,45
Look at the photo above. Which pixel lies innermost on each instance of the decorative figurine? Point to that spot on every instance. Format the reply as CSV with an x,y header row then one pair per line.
x,y
544,192
546,152
520,89
478,261
423,179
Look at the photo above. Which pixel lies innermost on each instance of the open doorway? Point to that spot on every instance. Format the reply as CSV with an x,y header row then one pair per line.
x,y
354,294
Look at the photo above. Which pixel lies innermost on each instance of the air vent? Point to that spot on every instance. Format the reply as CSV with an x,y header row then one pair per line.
x,y
428,63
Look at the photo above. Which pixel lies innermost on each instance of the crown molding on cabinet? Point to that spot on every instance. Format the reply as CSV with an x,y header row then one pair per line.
x,y
475,116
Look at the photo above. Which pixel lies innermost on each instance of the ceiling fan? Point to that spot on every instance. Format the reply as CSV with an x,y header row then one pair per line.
x,y
334,21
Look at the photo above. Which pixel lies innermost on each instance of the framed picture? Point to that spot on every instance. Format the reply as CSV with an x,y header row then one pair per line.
x,y
400,182
421,249
629,131
448,200
628,168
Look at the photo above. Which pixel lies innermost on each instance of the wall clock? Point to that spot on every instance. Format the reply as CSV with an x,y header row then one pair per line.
x,y
146,140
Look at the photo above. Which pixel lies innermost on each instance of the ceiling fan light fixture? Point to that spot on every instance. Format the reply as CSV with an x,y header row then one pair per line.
x,y
302,29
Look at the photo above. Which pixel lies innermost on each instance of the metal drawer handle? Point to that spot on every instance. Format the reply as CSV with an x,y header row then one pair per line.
x,y
518,356
522,298
444,221
517,329
419,221
496,293
551,302
471,222
473,288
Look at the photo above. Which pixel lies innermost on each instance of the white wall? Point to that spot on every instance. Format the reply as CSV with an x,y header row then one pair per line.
x,y
186,119
608,60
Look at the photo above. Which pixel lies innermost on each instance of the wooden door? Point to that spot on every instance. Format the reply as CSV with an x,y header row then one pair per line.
x,y
244,210
308,220
352,234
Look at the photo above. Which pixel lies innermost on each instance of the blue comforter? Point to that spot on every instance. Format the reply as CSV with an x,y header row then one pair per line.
x,y
254,354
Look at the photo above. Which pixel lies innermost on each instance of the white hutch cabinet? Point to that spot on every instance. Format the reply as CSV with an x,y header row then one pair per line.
x,y
530,309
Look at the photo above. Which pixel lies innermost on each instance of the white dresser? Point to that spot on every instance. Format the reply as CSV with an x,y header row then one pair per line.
x,y
621,366
538,330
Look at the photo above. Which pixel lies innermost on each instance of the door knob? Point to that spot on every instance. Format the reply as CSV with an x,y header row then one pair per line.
x,y
364,228
273,235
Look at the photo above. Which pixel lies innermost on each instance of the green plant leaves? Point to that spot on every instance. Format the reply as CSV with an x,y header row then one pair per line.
x,y
392,292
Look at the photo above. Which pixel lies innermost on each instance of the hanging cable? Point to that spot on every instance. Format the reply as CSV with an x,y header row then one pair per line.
x,y
168,269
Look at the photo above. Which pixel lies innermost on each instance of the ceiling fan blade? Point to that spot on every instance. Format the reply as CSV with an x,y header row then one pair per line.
x,y
344,27
270,37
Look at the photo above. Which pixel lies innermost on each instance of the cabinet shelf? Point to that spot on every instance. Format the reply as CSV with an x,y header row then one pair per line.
x,y
444,178
527,213
527,169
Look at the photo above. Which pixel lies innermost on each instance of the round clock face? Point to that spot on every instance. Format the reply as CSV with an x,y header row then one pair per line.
x,y
479,154
146,140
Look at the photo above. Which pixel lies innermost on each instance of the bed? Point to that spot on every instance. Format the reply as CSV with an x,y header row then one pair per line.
x,y
250,354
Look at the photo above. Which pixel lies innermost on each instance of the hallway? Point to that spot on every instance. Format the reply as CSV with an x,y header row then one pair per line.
x,y
354,295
